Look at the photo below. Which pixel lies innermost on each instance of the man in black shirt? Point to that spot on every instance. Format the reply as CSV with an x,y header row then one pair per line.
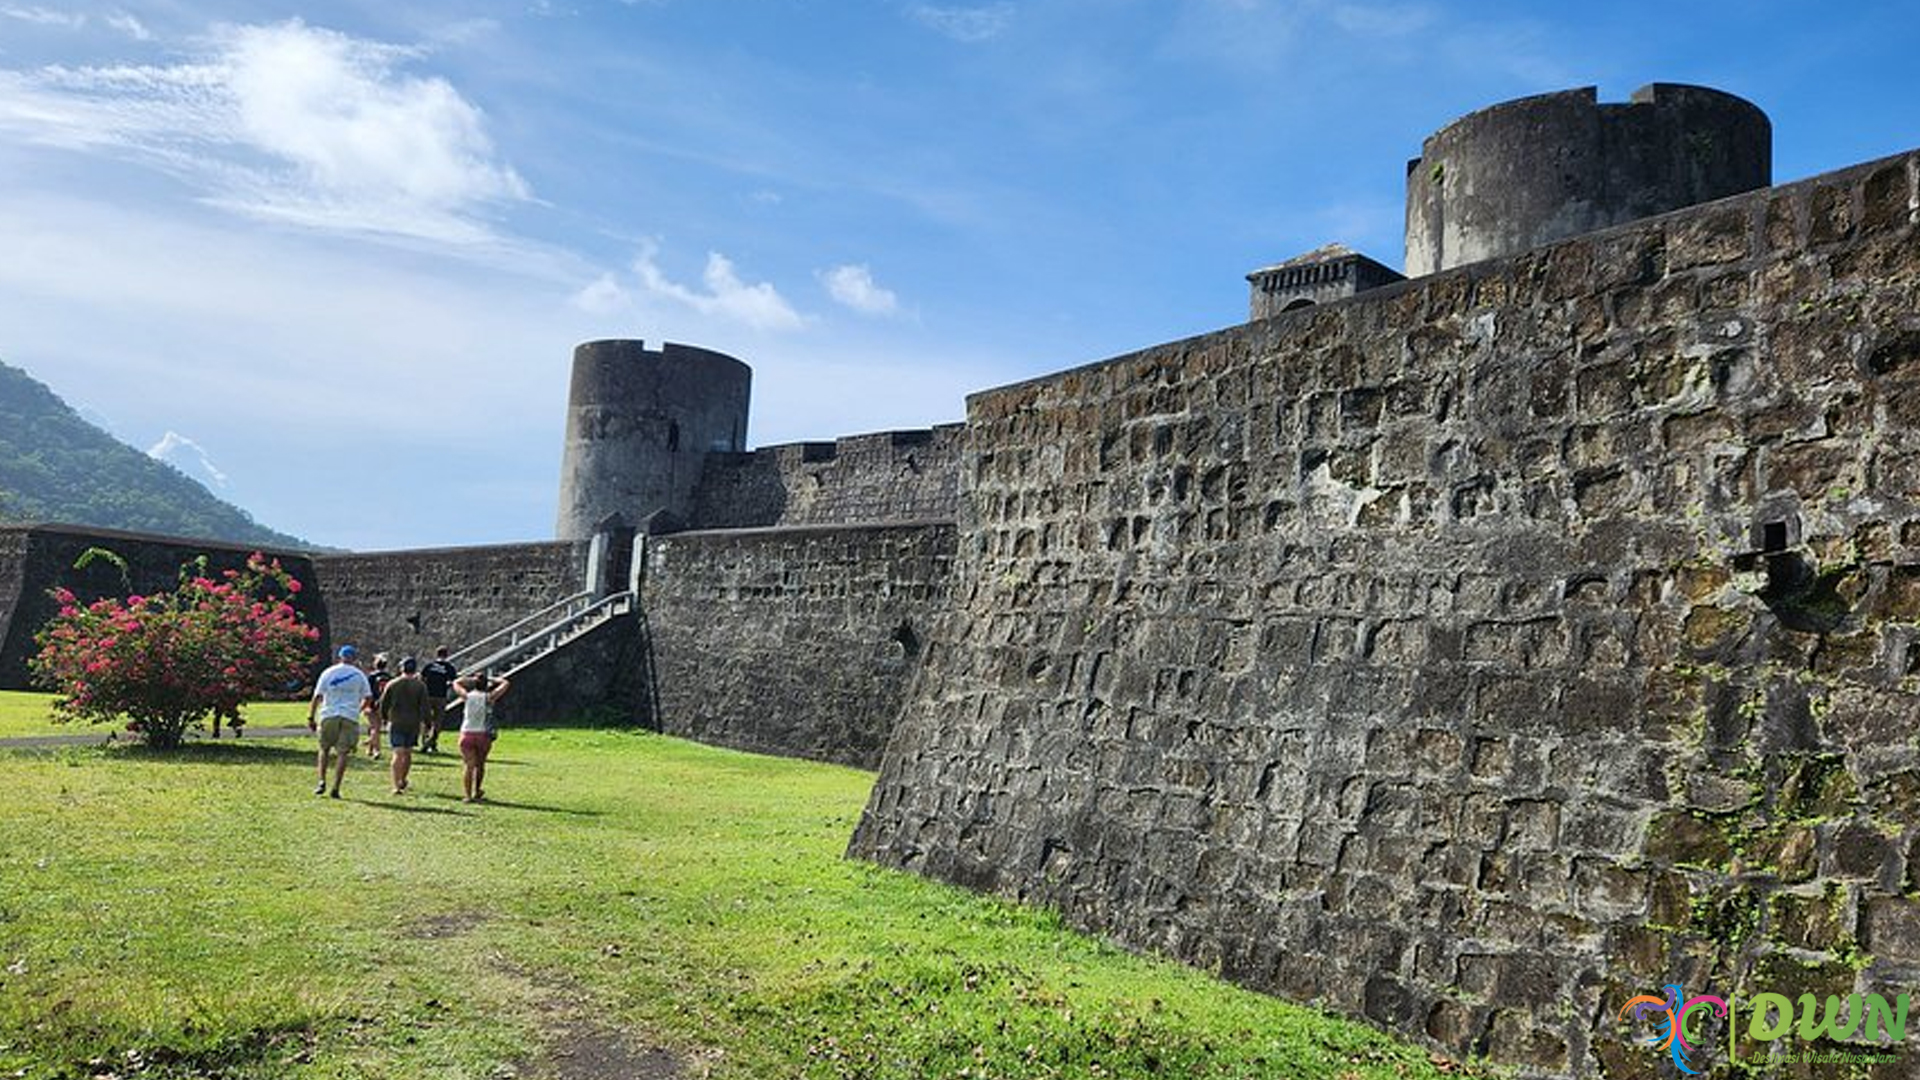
x,y
438,674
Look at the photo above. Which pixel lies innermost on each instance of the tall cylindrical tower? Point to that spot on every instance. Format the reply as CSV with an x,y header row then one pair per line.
x,y
639,427
1528,172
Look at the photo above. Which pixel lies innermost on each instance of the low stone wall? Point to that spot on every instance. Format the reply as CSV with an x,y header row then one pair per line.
x,y
13,585
887,476
1472,655
36,559
799,642
410,602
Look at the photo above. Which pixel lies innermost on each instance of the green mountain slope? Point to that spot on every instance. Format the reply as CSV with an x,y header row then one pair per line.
x,y
56,467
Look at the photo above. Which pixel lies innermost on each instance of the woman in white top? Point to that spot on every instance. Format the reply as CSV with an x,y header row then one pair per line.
x,y
479,695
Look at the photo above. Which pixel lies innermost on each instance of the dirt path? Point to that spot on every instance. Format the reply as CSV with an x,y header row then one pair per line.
x,y
577,1046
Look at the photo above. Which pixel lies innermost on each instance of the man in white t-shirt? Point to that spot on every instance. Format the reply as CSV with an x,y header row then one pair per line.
x,y
338,698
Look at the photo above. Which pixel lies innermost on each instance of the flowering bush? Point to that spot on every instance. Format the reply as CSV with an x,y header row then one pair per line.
x,y
164,662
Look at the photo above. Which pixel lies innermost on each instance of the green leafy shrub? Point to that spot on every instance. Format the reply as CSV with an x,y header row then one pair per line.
x,y
166,661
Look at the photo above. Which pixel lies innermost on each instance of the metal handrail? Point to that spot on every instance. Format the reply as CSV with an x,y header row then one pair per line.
x,y
511,631
554,634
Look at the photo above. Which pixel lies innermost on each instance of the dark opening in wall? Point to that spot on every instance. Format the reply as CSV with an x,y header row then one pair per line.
x,y
1808,598
1297,303
1773,536
673,435
906,641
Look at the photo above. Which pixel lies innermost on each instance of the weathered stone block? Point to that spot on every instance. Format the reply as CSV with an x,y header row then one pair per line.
x,y
1709,239
1686,839
1818,922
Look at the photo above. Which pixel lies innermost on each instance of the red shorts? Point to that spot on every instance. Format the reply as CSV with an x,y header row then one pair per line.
x,y
478,742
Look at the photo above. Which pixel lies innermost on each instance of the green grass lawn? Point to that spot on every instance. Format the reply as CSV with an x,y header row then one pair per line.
x,y
32,714
23,715
204,915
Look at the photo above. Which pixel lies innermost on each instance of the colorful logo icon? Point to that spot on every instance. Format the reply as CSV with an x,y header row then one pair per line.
x,y
1855,1028
1674,1036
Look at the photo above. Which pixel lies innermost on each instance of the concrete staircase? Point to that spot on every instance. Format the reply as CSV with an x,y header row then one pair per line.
x,y
514,648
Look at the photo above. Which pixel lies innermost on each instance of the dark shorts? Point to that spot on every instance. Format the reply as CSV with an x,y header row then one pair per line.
x,y
476,742
403,738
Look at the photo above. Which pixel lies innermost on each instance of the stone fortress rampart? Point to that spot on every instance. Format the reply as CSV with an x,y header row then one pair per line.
x,y
909,475
1470,653
1473,654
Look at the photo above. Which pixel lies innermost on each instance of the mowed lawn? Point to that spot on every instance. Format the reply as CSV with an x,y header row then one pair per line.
x,y
30,715
203,914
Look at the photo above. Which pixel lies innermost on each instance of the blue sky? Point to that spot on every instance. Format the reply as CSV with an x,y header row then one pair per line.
x,y
344,251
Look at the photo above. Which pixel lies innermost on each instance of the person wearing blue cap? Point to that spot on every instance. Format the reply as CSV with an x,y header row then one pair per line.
x,y
342,693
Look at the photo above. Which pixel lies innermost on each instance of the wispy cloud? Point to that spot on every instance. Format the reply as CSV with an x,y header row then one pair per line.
x,y
759,305
40,16
853,286
969,25
130,26
175,448
285,122
722,295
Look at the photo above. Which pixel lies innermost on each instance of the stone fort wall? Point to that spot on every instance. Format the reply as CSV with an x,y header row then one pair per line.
x,y
800,642
37,559
796,641
885,476
410,602
1471,655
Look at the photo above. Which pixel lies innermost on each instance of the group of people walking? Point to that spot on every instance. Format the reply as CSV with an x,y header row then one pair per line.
x,y
410,708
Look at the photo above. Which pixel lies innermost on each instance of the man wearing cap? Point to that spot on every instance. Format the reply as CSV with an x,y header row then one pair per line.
x,y
338,698
404,708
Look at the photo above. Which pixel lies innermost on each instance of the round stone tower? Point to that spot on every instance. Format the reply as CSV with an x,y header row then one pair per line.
x,y
1539,169
640,425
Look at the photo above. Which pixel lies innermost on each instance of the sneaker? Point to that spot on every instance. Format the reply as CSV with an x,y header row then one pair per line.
x,y
322,789
335,793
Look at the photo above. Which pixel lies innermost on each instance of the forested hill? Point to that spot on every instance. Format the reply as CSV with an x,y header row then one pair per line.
x,y
56,467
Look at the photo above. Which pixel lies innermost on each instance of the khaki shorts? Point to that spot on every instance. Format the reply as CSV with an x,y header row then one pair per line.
x,y
339,732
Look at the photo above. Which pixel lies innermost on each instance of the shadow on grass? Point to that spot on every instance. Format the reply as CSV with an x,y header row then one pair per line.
x,y
232,752
569,811
411,808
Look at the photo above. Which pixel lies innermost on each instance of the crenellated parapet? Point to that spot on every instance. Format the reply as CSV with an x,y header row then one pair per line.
x,y
884,476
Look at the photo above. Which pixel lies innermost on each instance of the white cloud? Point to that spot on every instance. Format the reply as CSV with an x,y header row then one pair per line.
x,y
40,16
853,286
130,26
969,25
173,448
285,122
603,296
725,296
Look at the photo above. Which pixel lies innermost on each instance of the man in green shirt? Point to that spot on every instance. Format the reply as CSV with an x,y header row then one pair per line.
x,y
404,707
